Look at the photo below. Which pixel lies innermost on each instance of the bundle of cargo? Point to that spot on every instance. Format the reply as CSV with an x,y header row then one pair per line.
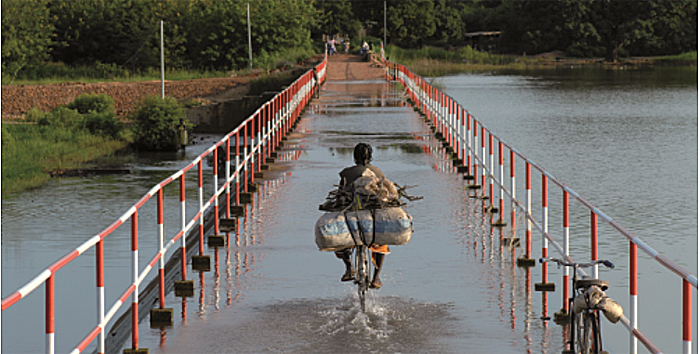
x,y
369,212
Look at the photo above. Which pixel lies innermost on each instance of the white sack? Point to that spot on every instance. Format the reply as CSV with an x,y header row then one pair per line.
x,y
393,227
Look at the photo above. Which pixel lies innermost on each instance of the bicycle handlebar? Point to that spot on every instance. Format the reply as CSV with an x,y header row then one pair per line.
x,y
560,262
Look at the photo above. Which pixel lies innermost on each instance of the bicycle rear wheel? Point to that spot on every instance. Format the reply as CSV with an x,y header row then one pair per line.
x,y
588,336
362,273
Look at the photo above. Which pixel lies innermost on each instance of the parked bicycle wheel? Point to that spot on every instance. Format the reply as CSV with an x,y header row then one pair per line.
x,y
588,334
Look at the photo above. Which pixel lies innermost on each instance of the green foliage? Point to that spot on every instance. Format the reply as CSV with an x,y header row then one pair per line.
x,y
337,18
156,124
62,117
410,22
85,103
103,123
91,112
465,55
26,33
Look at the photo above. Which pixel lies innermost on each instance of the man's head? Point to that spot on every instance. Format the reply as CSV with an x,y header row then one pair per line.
x,y
362,154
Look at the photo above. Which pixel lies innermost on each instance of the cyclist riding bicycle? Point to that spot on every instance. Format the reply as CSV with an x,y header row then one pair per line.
x,y
362,156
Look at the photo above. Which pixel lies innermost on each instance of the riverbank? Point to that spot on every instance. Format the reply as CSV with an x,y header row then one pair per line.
x,y
34,154
432,62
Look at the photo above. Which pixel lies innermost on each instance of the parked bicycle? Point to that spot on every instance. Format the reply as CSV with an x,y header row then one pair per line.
x,y
587,300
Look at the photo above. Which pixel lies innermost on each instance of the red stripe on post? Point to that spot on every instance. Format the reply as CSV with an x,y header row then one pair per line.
x,y
159,207
50,305
566,209
687,312
633,268
100,265
594,236
544,191
182,187
135,231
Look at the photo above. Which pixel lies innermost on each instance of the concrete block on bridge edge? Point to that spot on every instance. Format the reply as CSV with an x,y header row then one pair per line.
x,y
269,160
201,263
161,318
561,317
253,187
526,262
258,175
228,225
184,288
545,287
237,210
499,223
511,241
136,351
216,241
491,209
246,198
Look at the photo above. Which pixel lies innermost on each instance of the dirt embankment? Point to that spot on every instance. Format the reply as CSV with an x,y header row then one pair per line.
x,y
18,99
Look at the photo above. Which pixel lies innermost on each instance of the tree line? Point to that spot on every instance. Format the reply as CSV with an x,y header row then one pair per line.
x,y
212,34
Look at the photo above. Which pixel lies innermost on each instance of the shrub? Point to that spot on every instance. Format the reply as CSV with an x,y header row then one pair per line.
x,y
103,123
156,123
63,117
90,102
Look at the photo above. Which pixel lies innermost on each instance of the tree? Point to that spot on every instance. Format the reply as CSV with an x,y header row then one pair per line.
x,y
619,23
448,22
410,22
117,32
26,33
336,17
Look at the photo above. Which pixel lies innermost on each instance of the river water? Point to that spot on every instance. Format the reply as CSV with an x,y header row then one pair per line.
x,y
625,140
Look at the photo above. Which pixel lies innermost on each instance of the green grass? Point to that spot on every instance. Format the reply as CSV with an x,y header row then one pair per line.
x,y
689,58
88,75
433,62
30,152
51,73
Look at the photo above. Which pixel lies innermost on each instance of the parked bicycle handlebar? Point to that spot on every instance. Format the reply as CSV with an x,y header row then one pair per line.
x,y
560,262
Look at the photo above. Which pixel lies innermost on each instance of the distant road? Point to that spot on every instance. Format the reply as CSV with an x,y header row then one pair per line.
x,y
350,67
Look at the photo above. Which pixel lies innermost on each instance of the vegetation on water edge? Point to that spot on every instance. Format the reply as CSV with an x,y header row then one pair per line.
x,y
31,151
433,62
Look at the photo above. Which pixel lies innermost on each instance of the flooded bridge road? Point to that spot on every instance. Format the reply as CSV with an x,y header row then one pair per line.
x,y
452,289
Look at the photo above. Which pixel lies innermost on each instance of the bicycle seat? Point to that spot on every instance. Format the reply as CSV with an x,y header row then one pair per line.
x,y
588,281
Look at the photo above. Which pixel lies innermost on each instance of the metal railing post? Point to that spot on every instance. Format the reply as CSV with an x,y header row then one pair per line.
x,y
135,279
633,296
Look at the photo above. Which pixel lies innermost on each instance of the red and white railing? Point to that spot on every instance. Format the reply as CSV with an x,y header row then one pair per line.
x,y
256,138
461,130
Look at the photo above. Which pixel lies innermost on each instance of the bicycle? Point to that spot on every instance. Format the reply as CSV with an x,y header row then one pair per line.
x,y
587,300
362,272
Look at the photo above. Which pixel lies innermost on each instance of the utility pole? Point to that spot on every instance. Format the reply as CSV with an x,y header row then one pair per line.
x,y
385,24
250,43
162,63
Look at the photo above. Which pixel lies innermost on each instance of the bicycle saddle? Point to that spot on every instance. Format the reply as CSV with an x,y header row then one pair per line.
x,y
588,281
